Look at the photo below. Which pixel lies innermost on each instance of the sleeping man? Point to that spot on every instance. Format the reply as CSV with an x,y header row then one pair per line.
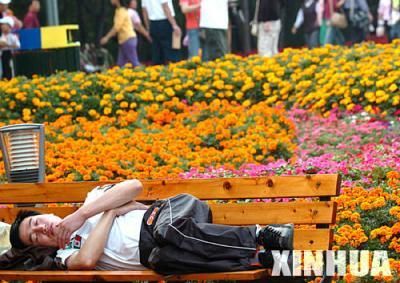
x,y
111,231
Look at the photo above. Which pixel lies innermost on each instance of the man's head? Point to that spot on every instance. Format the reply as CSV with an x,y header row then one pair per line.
x,y
31,228
133,4
34,6
4,5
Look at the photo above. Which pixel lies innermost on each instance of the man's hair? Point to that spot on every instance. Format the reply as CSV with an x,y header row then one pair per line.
x,y
125,3
15,238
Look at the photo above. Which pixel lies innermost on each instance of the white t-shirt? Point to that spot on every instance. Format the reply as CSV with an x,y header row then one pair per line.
x,y
155,10
214,14
122,248
11,39
134,15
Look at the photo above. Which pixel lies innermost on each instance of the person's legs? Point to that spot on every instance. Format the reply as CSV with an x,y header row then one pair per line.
x,y
264,41
208,240
395,31
169,54
336,36
268,40
221,42
6,57
194,42
206,45
275,31
192,231
215,43
358,35
313,39
183,223
307,39
129,51
156,51
172,260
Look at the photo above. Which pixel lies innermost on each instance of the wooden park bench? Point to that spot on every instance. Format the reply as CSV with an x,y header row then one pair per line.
x,y
313,206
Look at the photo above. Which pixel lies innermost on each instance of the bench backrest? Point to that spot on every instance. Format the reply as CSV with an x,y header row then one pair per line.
x,y
251,200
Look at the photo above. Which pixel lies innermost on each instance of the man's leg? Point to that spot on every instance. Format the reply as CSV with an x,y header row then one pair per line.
x,y
156,51
169,54
208,240
6,58
187,227
172,260
206,45
194,42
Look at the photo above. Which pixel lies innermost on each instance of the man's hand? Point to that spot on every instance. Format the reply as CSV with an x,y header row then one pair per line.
x,y
177,30
104,40
67,226
130,206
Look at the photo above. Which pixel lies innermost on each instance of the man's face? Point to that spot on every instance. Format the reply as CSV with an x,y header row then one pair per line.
x,y
36,6
5,28
133,4
39,230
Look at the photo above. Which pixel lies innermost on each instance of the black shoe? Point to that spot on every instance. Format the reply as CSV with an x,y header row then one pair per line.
x,y
276,237
266,259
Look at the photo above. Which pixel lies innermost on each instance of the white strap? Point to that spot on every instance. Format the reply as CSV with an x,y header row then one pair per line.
x,y
255,19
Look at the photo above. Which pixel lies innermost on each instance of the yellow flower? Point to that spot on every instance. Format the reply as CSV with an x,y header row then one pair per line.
x,y
246,103
92,112
59,111
393,87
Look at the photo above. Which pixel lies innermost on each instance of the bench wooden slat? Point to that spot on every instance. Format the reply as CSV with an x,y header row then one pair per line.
x,y
126,275
312,239
235,213
274,213
221,188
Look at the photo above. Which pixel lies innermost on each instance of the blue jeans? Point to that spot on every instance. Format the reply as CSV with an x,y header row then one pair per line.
x,y
394,31
312,38
194,42
334,36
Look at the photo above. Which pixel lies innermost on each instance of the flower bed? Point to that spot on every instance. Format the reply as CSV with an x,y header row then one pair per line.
x,y
365,77
161,141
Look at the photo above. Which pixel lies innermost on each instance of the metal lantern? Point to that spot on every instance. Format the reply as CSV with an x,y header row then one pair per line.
x,y
22,146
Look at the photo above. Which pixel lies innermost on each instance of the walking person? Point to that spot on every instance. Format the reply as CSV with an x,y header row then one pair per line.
x,y
359,18
136,21
269,27
123,29
389,19
191,9
159,18
8,42
333,34
214,22
31,19
310,17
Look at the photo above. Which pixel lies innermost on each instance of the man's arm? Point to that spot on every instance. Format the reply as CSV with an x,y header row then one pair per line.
x,y
170,18
89,254
118,195
146,18
113,32
91,251
140,28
